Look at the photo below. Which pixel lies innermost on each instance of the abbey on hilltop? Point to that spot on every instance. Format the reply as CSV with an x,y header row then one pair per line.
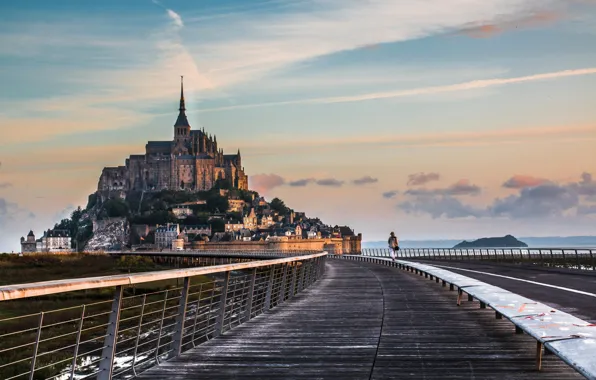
x,y
191,161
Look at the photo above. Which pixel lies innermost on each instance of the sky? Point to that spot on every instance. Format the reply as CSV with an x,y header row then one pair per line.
x,y
434,119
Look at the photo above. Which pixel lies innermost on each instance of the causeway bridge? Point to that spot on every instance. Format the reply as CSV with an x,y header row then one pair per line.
x,y
495,313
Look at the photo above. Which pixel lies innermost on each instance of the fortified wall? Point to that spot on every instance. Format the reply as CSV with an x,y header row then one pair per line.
x,y
338,246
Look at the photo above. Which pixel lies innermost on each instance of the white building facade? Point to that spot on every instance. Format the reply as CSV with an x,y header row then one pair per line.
x,y
165,235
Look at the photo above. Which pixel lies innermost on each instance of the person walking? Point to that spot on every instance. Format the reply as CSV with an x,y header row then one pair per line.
x,y
393,244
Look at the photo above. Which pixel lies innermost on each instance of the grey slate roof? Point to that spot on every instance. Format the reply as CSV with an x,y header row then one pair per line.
x,y
182,121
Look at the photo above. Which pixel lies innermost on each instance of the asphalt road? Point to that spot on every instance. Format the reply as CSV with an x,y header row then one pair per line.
x,y
571,292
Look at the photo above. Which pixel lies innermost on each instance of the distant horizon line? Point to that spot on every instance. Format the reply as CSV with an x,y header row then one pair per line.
x,y
521,237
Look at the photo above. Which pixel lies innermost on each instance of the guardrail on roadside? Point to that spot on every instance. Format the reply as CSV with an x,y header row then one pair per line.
x,y
570,338
140,324
572,258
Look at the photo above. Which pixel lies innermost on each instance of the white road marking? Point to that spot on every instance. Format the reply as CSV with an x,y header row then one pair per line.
x,y
520,279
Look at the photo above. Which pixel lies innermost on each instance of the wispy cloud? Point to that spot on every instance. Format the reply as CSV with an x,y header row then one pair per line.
x,y
539,18
332,182
418,179
176,19
11,211
4,185
435,139
85,119
301,182
46,159
390,194
365,180
466,86
266,182
263,183
523,181
433,90
461,187
272,41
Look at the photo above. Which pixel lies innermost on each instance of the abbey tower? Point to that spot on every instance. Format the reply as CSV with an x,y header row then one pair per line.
x,y
191,161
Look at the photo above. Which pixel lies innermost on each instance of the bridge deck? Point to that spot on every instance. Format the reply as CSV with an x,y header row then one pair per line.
x,y
365,321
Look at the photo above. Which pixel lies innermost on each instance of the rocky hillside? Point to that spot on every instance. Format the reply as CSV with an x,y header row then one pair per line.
x,y
105,221
110,233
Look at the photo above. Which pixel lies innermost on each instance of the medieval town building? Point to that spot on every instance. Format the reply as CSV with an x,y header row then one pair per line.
x,y
51,241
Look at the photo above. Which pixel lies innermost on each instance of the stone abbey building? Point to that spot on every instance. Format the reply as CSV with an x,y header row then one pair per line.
x,y
191,161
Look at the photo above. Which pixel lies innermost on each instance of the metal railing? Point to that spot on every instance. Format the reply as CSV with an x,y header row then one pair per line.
x,y
572,258
555,331
144,321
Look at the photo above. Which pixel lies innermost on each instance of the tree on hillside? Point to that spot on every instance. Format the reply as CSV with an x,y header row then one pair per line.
x,y
218,225
216,202
279,206
114,208
92,201
235,216
78,232
158,217
193,220
223,183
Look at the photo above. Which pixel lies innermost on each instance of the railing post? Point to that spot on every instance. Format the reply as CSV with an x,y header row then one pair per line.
x,y
219,323
36,347
313,271
294,276
282,289
180,318
76,350
267,305
552,258
301,277
106,363
251,290
139,327
306,281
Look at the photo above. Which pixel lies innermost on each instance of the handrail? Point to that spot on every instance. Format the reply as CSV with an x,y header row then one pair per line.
x,y
17,291
568,337
118,333
581,258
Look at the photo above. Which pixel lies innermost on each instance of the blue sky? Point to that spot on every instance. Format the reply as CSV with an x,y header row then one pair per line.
x,y
461,94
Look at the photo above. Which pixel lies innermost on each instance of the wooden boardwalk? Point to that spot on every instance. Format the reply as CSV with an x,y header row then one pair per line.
x,y
366,321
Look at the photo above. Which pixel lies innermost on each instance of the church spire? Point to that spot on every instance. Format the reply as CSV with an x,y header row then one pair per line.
x,y
182,121
182,107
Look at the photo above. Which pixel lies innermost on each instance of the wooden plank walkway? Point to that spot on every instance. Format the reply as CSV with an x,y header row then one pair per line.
x,y
365,321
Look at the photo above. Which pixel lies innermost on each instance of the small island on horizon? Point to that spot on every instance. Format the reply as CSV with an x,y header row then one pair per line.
x,y
507,241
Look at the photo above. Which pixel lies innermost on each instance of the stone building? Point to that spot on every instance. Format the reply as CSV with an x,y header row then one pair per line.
x,y
235,205
191,161
250,220
233,226
55,241
201,229
51,241
165,235
29,244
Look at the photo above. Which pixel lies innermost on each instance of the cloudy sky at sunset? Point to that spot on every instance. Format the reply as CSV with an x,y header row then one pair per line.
x,y
434,119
